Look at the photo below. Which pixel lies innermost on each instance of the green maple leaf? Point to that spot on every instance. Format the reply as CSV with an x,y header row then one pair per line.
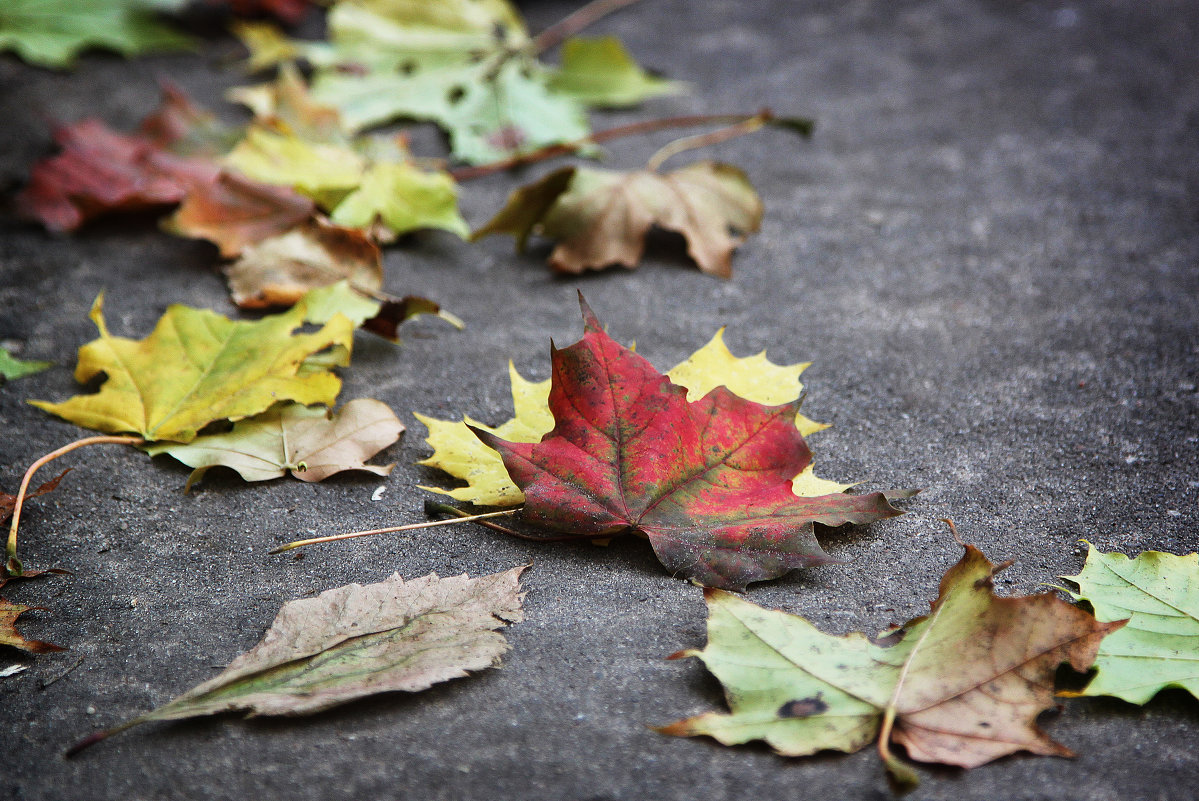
x,y
1159,595
51,33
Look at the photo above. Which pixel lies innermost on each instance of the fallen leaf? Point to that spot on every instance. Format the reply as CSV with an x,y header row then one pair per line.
x,y
9,612
234,212
198,366
287,11
356,641
356,190
601,217
460,453
709,482
266,45
311,443
278,271
404,198
52,33
285,104
11,367
101,171
600,72
382,317
1158,593
962,685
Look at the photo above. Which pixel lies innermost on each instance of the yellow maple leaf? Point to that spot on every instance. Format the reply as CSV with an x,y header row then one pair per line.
x,y
460,453
198,366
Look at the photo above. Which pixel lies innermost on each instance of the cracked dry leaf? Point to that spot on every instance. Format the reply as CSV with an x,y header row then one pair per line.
x,y
355,641
708,483
9,612
601,217
311,443
278,271
962,685
1158,593
460,453
198,366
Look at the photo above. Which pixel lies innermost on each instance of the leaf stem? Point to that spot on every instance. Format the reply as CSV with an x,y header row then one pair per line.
x,y
390,529
574,22
12,565
566,148
707,139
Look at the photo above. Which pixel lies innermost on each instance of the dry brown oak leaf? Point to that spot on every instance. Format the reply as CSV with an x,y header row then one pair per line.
x,y
709,482
962,685
601,217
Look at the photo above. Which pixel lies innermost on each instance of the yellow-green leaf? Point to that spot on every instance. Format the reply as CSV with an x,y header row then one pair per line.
x,y
460,453
324,172
405,198
600,72
198,366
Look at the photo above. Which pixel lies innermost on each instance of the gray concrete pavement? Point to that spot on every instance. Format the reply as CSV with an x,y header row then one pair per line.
x,y
989,250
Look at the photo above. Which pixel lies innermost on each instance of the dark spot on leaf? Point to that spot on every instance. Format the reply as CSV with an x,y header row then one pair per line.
x,y
407,67
803,708
507,138
456,94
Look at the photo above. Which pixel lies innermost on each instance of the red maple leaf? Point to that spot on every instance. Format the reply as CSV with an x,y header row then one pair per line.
x,y
709,482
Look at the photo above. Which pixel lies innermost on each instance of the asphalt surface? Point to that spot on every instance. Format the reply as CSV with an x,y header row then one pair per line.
x,y
988,250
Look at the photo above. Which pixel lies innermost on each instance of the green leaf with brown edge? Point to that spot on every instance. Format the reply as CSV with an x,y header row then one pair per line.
x,y
962,685
198,366
1158,593
311,443
355,641
9,612
708,482
601,217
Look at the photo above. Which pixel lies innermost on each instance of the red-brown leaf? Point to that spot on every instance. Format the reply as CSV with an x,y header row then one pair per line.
x,y
709,482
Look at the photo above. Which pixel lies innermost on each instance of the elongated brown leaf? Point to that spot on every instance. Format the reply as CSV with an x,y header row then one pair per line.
x,y
234,211
355,641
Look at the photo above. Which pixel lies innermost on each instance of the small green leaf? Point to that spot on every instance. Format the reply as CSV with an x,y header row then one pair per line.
x,y
11,367
600,72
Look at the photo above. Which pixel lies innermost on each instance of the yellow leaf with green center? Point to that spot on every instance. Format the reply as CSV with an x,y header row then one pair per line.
x,y
198,366
460,453
324,172
405,198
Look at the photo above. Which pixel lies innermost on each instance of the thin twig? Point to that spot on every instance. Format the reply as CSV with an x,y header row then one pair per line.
x,y
43,685
431,507
12,565
707,139
574,22
633,129
390,529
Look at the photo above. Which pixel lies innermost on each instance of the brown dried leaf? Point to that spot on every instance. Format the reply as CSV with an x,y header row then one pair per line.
x,y
234,212
279,270
9,612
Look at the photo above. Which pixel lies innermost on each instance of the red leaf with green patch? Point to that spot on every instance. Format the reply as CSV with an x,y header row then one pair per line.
x,y
709,482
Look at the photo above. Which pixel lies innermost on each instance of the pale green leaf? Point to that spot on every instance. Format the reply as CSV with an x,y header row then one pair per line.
x,y
1158,593
600,72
